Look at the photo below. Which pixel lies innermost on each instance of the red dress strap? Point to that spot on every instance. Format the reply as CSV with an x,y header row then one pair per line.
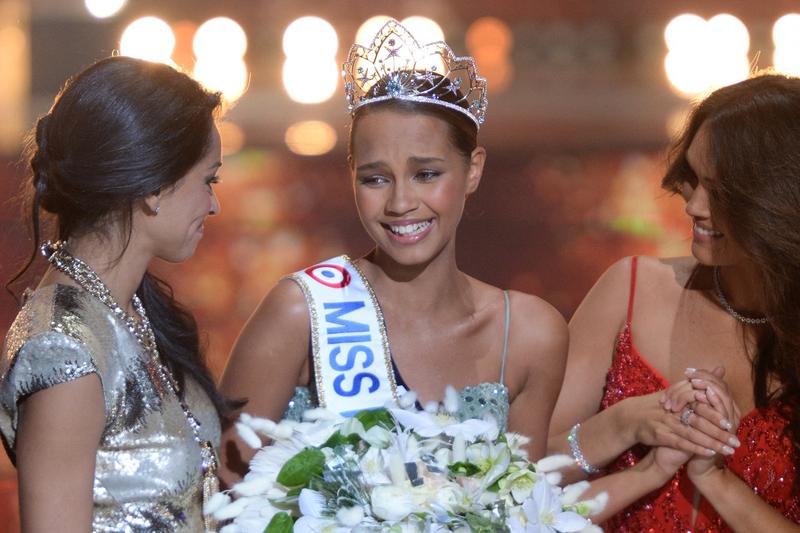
x,y
634,262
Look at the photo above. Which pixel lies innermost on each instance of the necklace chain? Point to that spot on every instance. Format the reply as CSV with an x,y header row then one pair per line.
x,y
88,279
723,301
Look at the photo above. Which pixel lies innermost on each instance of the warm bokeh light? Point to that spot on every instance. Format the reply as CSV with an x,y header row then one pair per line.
x,y
367,31
786,36
687,74
104,8
728,34
786,31
490,41
310,137
228,77
220,37
232,137
705,55
686,32
309,80
423,29
310,37
148,38
489,35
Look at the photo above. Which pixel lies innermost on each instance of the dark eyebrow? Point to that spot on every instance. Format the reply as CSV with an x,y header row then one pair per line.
x,y
370,166
425,160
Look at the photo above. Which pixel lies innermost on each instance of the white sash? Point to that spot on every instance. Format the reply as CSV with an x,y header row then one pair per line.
x,y
352,362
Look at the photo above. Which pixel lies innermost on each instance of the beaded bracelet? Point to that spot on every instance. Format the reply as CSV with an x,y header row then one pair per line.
x,y
577,454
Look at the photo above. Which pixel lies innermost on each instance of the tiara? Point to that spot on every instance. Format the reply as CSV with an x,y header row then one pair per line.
x,y
404,70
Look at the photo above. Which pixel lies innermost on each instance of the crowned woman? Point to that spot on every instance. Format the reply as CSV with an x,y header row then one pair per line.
x,y
351,334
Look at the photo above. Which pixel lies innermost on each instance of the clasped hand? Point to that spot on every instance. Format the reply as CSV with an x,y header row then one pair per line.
x,y
696,422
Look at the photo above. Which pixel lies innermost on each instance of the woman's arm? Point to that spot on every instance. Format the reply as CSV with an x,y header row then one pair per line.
x,y
604,435
543,351
266,364
737,504
58,433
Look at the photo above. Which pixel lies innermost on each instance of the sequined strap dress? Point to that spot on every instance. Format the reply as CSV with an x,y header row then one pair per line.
x,y
476,401
763,460
147,474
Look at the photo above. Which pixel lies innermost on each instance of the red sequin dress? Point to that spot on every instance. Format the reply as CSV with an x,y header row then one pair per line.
x,y
763,461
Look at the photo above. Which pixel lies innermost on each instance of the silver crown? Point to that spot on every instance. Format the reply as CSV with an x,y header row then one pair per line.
x,y
412,72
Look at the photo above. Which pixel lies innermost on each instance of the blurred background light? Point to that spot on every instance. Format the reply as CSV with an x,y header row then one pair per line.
x,y
227,76
222,37
310,137
367,31
786,36
705,55
148,38
309,80
104,8
310,72
310,36
424,29
490,41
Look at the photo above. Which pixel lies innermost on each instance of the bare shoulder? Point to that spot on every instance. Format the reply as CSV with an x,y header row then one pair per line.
x,y
658,277
535,320
285,303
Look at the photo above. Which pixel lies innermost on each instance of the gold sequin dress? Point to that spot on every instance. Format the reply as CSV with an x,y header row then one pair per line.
x,y
147,474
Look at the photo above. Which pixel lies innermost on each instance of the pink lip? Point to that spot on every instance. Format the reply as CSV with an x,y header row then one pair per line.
x,y
409,239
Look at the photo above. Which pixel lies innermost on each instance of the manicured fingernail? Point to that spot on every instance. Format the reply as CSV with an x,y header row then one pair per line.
x,y
725,424
689,370
710,452
663,398
733,441
697,381
727,450
710,392
667,405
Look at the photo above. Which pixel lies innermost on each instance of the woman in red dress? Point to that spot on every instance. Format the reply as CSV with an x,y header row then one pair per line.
x,y
676,453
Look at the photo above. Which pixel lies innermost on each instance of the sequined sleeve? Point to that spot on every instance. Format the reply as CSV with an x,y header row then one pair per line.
x,y
43,361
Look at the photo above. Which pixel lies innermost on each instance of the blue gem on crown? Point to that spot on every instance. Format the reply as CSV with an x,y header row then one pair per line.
x,y
413,72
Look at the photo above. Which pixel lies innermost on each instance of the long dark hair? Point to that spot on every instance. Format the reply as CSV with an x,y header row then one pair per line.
x,y
754,139
463,131
121,130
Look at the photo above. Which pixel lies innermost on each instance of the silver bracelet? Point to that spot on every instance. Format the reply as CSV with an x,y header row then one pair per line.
x,y
577,454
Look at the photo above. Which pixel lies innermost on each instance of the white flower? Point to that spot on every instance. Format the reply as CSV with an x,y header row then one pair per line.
x,y
390,502
349,516
373,467
542,513
573,492
428,425
519,484
312,505
216,502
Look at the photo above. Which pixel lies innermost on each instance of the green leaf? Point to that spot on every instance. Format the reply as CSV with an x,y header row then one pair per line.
x,y
280,523
301,468
337,439
375,417
480,524
463,468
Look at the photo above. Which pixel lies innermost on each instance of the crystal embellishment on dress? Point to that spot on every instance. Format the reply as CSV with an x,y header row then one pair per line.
x,y
409,71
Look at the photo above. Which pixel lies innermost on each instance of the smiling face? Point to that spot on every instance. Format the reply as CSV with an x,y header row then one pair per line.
x,y
411,183
182,209
711,243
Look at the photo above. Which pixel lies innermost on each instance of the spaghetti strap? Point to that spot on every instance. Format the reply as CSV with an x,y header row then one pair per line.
x,y
506,326
634,261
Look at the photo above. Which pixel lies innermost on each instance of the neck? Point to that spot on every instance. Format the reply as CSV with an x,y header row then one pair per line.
x,y
425,287
121,268
742,286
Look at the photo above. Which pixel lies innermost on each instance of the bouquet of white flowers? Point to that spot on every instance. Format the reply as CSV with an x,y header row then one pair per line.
x,y
398,469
